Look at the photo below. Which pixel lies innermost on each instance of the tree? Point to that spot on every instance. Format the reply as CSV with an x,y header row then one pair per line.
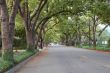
x,y
30,21
109,43
7,29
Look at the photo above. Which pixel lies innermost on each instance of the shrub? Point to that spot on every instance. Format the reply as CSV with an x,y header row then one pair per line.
x,y
4,65
109,42
22,56
18,57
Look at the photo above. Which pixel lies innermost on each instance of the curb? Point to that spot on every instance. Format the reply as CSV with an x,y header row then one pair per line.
x,y
18,66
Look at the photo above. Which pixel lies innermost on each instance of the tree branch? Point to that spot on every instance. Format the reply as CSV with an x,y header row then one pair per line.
x,y
38,10
51,27
14,10
48,17
102,30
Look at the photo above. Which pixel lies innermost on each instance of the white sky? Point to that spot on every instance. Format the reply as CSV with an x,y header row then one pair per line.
x,y
102,26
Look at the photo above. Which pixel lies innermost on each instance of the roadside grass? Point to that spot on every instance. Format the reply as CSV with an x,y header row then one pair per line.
x,y
4,65
86,47
100,48
103,48
19,56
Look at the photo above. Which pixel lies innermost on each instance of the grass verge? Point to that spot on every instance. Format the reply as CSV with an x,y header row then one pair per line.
x,y
100,48
18,57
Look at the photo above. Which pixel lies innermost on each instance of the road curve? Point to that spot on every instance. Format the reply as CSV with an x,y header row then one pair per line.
x,y
62,59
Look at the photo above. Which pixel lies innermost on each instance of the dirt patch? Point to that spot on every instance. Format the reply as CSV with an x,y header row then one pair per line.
x,y
100,51
39,57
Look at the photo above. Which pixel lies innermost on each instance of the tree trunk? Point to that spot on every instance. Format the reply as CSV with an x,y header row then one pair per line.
x,y
42,24
30,38
66,39
41,41
79,36
7,51
89,34
94,32
39,38
12,19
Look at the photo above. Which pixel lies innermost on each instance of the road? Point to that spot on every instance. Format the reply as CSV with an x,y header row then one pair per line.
x,y
62,59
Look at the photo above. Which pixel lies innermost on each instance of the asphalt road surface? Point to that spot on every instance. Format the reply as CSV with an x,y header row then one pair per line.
x,y
62,59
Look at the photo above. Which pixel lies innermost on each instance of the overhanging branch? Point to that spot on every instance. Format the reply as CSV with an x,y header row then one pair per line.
x,y
102,30
50,16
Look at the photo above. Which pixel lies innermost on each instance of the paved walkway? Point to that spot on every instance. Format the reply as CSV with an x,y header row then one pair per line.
x,y
61,59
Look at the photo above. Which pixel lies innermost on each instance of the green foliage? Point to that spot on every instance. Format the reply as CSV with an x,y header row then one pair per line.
x,y
22,56
20,37
100,48
4,65
18,57
103,48
81,12
19,27
86,47
109,42
103,11
8,56
33,4
52,32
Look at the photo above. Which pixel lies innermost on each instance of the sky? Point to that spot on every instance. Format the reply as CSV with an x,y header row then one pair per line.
x,y
102,26
108,29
